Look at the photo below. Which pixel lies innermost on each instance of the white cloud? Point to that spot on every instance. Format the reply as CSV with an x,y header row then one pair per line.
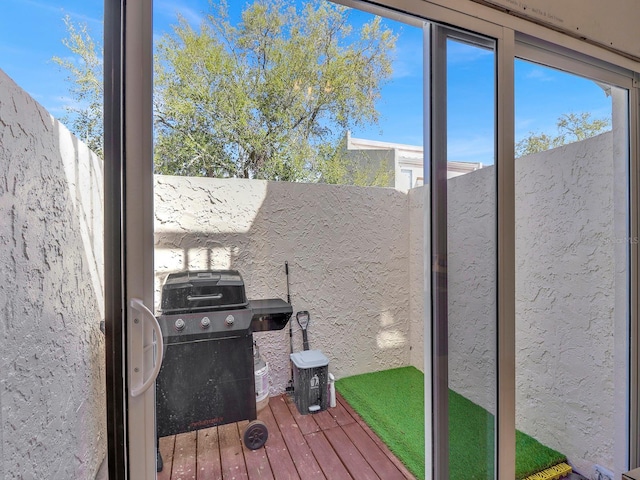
x,y
167,11
540,75
408,55
462,53
524,123
42,6
477,148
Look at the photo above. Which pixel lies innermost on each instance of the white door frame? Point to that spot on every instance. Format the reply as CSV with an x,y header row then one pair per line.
x,y
129,197
131,329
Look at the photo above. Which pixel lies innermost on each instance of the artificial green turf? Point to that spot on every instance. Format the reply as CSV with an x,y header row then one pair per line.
x,y
391,402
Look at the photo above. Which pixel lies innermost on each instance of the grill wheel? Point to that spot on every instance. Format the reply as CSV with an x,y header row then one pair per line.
x,y
255,435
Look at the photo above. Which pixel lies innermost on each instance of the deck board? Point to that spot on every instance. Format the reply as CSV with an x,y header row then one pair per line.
x,y
306,423
184,456
167,446
231,455
392,458
299,450
372,453
208,451
341,415
324,420
335,444
281,462
330,462
350,455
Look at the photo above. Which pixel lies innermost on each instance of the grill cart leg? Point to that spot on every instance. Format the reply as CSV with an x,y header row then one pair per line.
x,y
255,435
159,464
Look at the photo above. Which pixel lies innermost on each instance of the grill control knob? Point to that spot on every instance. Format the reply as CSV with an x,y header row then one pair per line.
x,y
179,325
229,320
205,322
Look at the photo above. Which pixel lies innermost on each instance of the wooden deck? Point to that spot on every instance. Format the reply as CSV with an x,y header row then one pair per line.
x,y
335,445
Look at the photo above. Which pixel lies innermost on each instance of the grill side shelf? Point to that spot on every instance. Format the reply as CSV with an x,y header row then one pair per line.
x,y
269,314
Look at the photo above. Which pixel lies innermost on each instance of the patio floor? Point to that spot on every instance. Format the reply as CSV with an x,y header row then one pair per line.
x,y
335,444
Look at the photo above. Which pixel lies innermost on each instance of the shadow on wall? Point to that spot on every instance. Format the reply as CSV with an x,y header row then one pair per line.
x,y
52,379
347,249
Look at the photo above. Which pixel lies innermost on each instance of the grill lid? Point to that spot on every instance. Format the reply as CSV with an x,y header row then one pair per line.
x,y
194,291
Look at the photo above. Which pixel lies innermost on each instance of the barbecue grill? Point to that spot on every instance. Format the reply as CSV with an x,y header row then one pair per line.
x,y
207,378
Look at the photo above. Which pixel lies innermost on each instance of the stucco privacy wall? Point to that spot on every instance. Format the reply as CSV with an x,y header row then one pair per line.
x,y
419,293
471,241
357,265
52,402
347,249
566,306
472,282
566,309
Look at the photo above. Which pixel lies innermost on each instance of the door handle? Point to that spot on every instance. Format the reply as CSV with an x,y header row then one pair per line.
x,y
140,314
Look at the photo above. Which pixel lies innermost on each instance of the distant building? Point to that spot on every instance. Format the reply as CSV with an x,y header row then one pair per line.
x,y
404,162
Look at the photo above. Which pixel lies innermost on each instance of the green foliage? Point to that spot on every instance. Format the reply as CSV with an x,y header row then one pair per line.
x,y
337,167
269,97
571,128
84,116
373,176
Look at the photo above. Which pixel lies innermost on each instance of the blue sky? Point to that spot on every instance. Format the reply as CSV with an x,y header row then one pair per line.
x,y
31,33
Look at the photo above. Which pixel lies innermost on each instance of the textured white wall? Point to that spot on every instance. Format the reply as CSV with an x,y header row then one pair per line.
x,y
52,403
471,241
419,293
356,264
567,306
566,300
347,249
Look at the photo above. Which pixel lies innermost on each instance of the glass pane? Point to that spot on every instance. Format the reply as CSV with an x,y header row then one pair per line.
x,y
314,94
571,258
272,145
471,245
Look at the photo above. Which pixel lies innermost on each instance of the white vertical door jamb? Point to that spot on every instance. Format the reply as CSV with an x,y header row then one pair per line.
x,y
633,452
624,225
138,220
505,167
427,316
438,255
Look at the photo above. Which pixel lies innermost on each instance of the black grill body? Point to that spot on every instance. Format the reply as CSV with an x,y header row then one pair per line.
x,y
207,375
206,378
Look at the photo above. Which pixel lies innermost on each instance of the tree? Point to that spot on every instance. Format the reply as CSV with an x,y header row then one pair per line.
x,y
571,128
358,169
269,97
84,117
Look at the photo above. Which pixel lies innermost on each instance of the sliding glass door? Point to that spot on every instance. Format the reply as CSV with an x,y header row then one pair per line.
x,y
463,179
532,256
572,262
530,242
